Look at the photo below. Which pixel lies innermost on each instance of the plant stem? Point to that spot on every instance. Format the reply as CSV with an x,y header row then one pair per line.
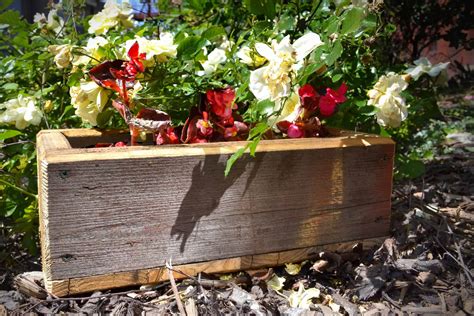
x,y
18,188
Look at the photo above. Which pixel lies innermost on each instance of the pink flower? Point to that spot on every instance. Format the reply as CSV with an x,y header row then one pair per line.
x,y
295,131
204,125
328,102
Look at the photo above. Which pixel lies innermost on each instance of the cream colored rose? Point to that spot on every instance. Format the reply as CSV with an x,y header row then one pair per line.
x,y
63,55
112,15
89,100
21,111
386,97
273,81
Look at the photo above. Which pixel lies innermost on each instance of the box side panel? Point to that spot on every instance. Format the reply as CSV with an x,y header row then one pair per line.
x,y
109,216
46,143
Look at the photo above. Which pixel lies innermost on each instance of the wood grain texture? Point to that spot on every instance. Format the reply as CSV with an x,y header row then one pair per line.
x,y
159,274
47,142
110,210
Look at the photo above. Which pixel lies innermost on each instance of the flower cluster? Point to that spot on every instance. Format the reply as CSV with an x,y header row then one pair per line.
x,y
386,95
301,113
21,111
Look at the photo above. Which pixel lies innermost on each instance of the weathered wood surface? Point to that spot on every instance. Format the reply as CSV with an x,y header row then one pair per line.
x,y
159,274
112,210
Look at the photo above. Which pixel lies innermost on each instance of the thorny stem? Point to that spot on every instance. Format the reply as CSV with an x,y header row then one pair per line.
x,y
18,188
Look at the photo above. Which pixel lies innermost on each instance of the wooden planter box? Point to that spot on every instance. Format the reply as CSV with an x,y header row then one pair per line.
x,y
111,217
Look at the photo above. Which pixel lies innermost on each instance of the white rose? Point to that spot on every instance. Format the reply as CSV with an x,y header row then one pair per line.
x,y
40,18
392,110
385,96
21,111
285,59
89,100
214,59
424,66
54,21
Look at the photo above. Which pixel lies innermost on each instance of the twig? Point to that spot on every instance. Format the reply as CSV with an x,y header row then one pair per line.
x,y
460,257
18,188
175,289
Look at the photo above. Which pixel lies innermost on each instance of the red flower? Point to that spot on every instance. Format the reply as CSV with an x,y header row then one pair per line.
x,y
328,102
309,98
167,136
222,102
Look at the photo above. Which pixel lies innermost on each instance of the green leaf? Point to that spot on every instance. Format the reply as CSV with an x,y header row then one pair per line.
x,y
352,20
265,106
9,134
258,129
253,146
262,26
213,32
266,8
370,22
104,117
232,159
74,78
10,17
286,23
412,168
308,71
190,46
10,86
335,53
5,4
337,77
197,5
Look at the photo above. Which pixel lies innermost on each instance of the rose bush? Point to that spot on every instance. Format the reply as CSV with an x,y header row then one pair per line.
x,y
206,71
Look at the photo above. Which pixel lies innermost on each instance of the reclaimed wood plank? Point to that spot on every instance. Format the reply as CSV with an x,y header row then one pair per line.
x,y
47,142
159,274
